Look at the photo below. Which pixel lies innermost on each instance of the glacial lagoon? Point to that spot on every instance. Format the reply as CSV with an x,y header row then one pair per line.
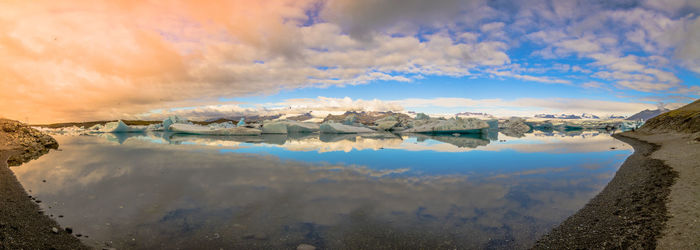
x,y
370,191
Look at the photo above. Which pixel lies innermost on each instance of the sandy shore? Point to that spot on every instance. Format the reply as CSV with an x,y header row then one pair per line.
x,y
630,212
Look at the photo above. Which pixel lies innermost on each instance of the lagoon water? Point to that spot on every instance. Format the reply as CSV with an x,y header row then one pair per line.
x,y
169,191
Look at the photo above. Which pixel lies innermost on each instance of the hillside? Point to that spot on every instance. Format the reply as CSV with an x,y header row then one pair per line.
x,y
685,119
647,114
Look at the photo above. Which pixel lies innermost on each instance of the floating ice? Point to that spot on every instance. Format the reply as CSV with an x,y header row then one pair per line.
x,y
173,119
338,128
119,127
206,130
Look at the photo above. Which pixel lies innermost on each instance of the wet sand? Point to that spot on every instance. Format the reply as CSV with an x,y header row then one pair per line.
x,y
630,212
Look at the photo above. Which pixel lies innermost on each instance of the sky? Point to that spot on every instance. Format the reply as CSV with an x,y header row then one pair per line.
x,y
66,61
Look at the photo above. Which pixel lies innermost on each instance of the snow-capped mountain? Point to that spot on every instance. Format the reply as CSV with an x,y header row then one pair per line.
x,y
473,114
566,116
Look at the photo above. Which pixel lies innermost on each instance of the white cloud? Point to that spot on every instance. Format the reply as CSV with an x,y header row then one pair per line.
x,y
322,106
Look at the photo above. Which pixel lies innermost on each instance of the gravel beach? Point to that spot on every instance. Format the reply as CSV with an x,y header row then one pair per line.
x,y
629,213
22,223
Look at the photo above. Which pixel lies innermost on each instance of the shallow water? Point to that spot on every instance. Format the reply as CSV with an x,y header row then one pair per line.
x,y
164,191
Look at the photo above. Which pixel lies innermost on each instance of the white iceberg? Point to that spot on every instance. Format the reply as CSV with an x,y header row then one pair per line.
x,y
206,130
120,127
228,124
286,127
173,119
451,126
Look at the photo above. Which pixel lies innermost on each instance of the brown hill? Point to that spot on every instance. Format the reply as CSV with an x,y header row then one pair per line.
x,y
685,119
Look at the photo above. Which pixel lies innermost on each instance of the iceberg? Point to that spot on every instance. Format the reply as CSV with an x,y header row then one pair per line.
x,y
289,127
451,126
173,119
338,128
205,130
119,127
241,122
228,124
155,127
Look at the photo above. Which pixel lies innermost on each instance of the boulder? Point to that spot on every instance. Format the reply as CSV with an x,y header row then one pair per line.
x,y
387,124
337,128
450,126
514,127
31,142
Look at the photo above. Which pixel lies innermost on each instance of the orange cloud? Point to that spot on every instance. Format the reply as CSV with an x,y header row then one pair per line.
x,y
84,60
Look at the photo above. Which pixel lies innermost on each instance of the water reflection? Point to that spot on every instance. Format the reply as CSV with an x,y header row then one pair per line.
x,y
164,191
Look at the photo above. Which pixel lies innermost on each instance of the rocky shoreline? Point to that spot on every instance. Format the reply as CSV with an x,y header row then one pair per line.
x,y
630,213
23,225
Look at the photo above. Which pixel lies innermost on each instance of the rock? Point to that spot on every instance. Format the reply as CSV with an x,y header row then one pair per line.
x,y
451,126
386,125
350,119
54,230
337,128
32,142
422,116
364,118
69,230
514,127
306,247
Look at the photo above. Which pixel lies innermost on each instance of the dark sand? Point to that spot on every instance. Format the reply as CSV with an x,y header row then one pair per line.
x,y
22,223
629,213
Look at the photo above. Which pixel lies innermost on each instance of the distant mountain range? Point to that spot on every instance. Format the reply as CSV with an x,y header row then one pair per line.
x,y
565,116
647,114
473,114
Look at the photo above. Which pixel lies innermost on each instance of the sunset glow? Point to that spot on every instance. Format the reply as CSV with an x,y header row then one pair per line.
x,y
91,60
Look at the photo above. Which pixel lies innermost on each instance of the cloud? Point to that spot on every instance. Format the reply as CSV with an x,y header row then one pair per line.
x,y
59,64
322,106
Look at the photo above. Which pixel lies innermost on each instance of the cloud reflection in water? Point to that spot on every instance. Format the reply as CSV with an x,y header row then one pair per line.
x,y
163,191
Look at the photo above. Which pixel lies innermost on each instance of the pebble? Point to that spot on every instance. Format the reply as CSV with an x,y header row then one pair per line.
x,y
306,247
69,230
54,230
